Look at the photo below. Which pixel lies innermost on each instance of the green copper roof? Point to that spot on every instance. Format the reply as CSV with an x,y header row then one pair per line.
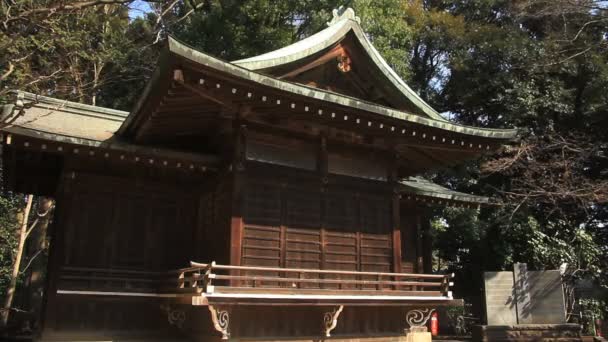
x,y
69,119
182,50
421,187
344,22
60,121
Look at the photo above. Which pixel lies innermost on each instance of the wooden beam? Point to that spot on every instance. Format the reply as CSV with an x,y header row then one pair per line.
x,y
205,95
332,54
430,157
416,158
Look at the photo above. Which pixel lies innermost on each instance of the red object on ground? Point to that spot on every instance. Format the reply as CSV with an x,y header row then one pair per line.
x,y
434,324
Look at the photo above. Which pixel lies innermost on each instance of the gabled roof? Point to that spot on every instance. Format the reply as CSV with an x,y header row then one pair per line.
x,y
179,55
344,23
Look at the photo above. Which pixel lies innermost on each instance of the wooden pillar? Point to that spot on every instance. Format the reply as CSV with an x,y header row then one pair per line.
x,y
322,169
396,215
10,159
427,244
419,246
322,159
397,257
408,236
56,255
238,184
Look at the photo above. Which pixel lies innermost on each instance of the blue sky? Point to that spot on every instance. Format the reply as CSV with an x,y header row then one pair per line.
x,y
138,8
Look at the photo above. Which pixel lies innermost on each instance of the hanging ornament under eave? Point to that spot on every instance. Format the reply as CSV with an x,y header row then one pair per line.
x,y
344,63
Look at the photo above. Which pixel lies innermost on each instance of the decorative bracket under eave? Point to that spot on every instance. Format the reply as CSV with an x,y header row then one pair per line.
x,y
416,319
330,320
344,62
221,321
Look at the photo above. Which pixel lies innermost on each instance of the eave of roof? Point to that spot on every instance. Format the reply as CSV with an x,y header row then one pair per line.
x,y
182,50
62,122
421,187
337,30
61,117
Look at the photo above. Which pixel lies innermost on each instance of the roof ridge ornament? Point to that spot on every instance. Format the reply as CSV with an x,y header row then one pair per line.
x,y
343,13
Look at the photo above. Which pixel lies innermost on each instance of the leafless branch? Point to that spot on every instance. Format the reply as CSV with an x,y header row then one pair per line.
x,y
8,72
62,7
552,171
31,261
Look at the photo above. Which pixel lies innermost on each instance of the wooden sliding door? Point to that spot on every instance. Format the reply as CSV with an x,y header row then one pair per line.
x,y
305,226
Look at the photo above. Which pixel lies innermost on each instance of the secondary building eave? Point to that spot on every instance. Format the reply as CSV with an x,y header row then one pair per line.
x,y
50,125
422,189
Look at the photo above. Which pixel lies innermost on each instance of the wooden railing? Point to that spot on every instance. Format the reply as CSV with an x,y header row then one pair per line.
x,y
111,279
214,278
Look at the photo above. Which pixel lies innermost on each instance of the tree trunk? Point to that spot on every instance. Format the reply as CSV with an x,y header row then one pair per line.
x,y
36,253
10,293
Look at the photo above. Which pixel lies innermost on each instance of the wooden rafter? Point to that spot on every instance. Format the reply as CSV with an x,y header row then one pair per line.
x,y
332,54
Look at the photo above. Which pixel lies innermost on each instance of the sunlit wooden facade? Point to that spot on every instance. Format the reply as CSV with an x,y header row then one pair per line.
x,y
272,197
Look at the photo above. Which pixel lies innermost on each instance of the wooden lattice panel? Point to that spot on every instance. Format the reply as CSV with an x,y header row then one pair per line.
x,y
299,227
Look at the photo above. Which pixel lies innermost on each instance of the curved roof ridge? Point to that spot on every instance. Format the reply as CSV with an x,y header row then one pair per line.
x,y
300,49
340,25
182,50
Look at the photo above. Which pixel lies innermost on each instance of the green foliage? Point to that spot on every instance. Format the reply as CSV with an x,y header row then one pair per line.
x,y
238,29
591,310
9,205
516,66
88,55
390,34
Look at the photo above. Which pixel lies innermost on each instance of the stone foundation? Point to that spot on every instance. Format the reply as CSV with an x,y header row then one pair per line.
x,y
418,334
528,332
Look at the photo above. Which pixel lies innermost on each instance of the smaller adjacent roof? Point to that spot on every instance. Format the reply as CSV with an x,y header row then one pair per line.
x,y
420,187
74,121
56,124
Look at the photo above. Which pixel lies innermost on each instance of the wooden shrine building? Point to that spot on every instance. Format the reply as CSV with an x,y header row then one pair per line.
x,y
273,197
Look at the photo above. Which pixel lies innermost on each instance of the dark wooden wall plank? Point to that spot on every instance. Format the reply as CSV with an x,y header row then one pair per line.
x,y
303,225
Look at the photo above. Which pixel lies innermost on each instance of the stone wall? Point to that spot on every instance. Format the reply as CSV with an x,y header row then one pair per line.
x,y
524,297
500,298
528,332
